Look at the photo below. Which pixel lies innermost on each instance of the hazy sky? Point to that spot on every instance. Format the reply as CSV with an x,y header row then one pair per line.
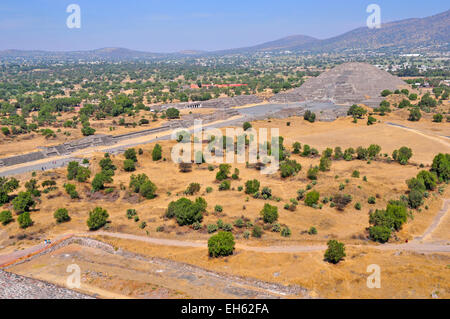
x,y
173,25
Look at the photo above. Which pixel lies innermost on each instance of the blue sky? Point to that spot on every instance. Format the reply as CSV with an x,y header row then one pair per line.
x,y
173,25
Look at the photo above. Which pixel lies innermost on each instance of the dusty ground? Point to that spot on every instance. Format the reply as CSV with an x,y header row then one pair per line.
x,y
405,274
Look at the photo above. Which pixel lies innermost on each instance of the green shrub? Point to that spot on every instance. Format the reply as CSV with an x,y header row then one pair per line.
x,y
143,185
252,186
257,231
61,215
212,228
415,198
98,183
246,126
358,206
131,213
312,198
309,116
157,152
312,173
6,217
239,223
286,232
221,244
335,252
142,225
197,226
192,189
71,190
23,202
224,171
24,220
325,164
224,185
312,231
289,168
355,174
98,218
441,167
379,233
269,213
130,154
128,165
438,118
186,211
414,115
429,179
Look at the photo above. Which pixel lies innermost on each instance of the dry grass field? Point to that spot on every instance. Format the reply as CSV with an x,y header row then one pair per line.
x,y
404,274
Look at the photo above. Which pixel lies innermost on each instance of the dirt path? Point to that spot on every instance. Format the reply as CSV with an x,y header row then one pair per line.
x,y
436,221
414,246
437,138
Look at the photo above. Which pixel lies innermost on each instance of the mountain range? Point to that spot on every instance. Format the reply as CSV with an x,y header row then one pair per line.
x,y
405,35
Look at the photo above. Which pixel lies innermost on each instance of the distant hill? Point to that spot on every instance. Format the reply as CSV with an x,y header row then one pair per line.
x,y
410,33
405,35
286,43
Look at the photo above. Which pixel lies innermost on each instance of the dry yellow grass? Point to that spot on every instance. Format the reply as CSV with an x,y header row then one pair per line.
x,y
407,274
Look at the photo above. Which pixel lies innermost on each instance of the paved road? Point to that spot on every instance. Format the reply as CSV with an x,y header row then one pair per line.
x,y
58,162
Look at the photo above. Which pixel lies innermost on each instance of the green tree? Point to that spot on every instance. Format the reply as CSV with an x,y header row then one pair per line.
x,y
172,113
441,167
98,218
23,202
414,115
385,93
429,179
224,171
221,244
296,148
61,215
289,168
71,190
312,198
402,155
186,212
438,118
356,111
379,233
6,187
6,217
252,186
128,165
312,173
130,154
25,220
246,126
335,252
269,213
157,152
98,183
310,116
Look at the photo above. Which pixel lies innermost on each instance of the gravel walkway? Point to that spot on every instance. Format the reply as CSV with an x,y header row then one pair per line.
x,y
19,287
